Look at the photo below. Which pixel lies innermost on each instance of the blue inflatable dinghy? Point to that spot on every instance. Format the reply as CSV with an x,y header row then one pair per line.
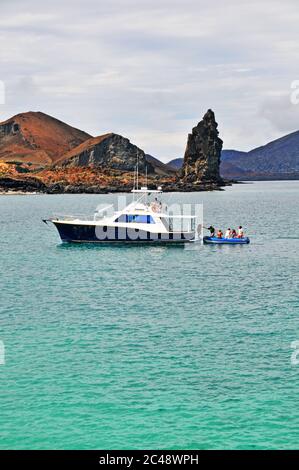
x,y
227,241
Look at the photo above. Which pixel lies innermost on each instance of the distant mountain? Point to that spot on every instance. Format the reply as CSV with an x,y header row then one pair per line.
x,y
227,155
37,138
278,159
176,163
159,167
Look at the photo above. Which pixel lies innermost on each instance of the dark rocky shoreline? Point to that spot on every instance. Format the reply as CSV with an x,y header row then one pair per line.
x,y
30,185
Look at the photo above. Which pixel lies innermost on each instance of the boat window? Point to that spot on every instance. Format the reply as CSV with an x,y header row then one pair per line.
x,y
136,218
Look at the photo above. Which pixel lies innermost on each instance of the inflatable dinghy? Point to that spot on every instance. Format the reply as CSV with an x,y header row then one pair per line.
x,y
227,241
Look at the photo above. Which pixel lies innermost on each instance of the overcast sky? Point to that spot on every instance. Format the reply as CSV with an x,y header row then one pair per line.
x,y
149,69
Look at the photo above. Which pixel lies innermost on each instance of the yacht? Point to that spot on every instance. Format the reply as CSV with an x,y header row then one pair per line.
x,y
144,220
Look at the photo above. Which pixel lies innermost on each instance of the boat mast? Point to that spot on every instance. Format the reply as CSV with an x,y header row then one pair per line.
x,y
134,185
146,196
137,169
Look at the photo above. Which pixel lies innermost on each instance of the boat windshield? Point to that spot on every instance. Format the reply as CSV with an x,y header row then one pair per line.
x,y
136,218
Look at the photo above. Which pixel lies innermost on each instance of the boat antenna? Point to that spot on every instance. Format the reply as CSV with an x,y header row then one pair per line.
x,y
134,185
146,176
137,169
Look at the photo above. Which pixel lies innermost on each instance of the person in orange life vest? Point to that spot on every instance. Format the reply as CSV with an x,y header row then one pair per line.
x,y
219,234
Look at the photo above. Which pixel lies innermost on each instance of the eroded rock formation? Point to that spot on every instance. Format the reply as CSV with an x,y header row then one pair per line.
x,y
109,151
203,152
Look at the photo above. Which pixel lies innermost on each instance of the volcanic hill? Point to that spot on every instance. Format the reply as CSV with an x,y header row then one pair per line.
x,y
37,138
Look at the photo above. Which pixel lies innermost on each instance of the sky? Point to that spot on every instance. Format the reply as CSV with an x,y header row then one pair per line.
x,y
149,70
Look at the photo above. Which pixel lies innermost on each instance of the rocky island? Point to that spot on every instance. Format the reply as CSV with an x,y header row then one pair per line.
x,y
203,153
39,153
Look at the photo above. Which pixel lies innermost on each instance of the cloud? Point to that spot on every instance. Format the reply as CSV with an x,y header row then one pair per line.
x,y
25,19
150,69
281,113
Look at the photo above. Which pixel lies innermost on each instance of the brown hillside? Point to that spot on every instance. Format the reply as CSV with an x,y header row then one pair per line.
x,y
86,146
112,151
37,138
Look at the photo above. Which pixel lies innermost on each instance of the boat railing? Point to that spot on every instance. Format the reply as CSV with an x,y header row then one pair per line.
x,y
179,223
67,217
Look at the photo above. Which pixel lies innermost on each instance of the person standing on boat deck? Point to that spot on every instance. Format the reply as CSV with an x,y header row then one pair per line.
x,y
157,205
240,232
228,233
212,231
219,234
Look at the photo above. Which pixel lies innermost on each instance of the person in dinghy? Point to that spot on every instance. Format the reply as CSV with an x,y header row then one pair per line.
x,y
240,232
231,236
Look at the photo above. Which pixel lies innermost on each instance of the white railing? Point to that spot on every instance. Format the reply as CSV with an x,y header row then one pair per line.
x,y
67,217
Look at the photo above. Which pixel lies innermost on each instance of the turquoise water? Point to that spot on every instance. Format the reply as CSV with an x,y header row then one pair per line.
x,y
151,347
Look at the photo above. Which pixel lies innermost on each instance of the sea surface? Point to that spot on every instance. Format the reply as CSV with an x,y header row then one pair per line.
x,y
145,347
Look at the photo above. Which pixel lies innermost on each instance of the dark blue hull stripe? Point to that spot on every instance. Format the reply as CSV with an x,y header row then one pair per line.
x,y
96,234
